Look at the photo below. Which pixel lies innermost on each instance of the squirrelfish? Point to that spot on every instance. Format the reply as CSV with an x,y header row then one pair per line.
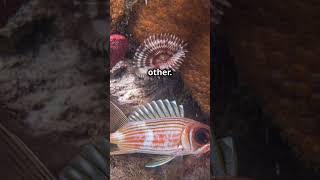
x,y
158,128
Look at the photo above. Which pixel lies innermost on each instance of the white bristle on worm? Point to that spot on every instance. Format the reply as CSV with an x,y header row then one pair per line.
x,y
163,51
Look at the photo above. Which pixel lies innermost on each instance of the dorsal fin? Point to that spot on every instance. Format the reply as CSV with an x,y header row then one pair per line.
x,y
117,117
157,109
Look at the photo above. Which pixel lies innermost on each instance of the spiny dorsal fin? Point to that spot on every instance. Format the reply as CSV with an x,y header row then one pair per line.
x,y
117,117
157,109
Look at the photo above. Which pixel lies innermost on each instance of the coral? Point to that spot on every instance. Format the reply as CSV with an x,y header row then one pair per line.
x,y
276,47
189,20
117,9
196,72
184,18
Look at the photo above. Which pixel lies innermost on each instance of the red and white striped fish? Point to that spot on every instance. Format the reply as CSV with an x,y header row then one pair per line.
x,y
158,128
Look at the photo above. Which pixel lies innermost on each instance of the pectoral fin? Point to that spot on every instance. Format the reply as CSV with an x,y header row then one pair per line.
x,y
159,161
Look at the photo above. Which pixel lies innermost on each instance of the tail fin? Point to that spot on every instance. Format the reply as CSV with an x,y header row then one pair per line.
x,y
117,117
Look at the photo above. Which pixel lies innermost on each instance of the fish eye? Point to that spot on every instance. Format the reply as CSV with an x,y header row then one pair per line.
x,y
202,136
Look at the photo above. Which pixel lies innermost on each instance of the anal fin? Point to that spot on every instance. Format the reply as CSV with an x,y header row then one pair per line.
x,y
159,161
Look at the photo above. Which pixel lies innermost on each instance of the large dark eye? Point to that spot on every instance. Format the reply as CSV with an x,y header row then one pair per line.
x,y
202,136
